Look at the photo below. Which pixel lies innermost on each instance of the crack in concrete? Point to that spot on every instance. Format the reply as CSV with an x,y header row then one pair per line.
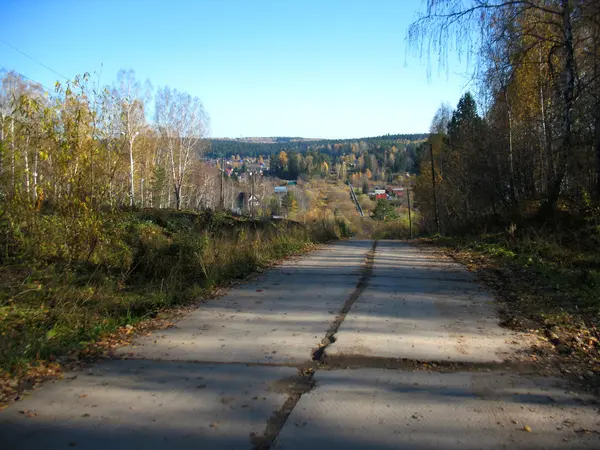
x,y
319,353
342,362
209,362
295,387
408,277
304,382
357,361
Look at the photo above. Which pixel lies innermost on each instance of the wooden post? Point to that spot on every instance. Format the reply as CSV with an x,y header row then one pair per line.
x,y
251,194
221,196
435,206
409,215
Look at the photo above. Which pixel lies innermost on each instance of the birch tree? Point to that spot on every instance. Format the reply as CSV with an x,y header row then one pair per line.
x,y
182,124
130,100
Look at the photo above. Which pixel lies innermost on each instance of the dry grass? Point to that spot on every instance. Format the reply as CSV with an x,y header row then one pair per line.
x,y
148,262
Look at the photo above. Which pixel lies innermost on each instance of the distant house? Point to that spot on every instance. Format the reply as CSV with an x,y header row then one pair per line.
x,y
244,202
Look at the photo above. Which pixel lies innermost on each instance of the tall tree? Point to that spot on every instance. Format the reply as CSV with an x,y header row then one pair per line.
x,y
552,32
129,101
182,124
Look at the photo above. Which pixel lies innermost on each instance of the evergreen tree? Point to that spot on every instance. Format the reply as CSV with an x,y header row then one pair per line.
x,y
293,170
384,211
365,187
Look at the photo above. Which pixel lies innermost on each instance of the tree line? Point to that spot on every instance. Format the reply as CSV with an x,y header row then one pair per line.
x,y
381,163
332,147
532,141
92,146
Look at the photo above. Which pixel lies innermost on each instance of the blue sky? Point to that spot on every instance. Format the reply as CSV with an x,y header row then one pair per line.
x,y
262,68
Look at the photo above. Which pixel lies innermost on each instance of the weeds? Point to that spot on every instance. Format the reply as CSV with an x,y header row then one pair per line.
x,y
394,229
56,297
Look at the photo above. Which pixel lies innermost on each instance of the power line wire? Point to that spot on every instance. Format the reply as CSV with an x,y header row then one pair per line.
x,y
33,59
51,92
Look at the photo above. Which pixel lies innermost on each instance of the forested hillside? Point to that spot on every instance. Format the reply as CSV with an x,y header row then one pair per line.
x,y
380,158
271,146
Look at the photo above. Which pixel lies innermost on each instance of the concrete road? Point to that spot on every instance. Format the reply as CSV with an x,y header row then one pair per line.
x,y
347,347
277,318
390,409
418,305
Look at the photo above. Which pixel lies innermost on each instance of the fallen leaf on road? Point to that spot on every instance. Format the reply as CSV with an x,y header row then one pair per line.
x,y
527,428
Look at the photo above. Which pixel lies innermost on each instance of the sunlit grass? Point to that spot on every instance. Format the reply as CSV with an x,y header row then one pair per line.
x,y
149,262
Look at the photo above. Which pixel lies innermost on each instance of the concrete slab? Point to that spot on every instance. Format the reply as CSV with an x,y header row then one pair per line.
x,y
344,258
423,311
400,259
147,405
278,317
380,409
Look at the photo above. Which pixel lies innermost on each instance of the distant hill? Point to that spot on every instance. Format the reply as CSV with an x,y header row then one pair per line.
x,y
254,146
269,140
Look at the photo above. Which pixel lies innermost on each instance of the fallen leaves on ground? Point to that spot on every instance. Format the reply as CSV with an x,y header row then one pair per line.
x,y
569,339
29,412
12,386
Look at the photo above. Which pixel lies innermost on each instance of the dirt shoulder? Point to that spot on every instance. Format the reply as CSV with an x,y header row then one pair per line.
x,y
538,297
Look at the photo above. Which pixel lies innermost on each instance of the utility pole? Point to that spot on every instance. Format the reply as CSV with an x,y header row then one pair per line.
x,y
409,215
221,196
251,195
435,206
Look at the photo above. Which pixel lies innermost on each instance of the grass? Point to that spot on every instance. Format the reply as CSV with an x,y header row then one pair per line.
x,y
397,228
54,302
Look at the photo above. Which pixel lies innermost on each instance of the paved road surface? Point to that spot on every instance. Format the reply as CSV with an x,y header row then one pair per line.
x,y
349,347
